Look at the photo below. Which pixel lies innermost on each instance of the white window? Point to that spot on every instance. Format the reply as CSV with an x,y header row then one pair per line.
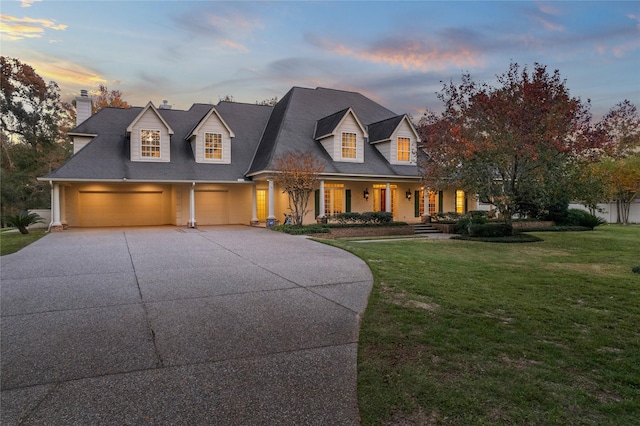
x,y
349,145
404,149
333,198
150,143
213,146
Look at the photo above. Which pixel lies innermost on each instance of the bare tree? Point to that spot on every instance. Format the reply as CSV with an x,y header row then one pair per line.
x,y
298,176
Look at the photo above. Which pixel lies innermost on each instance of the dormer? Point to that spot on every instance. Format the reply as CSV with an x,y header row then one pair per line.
x,y
342,135
150,136
396,138
211,139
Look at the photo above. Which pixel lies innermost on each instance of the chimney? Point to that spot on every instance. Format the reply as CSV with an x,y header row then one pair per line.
x,y
83,107
165,105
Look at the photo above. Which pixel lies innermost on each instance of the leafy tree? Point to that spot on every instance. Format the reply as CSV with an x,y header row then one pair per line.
x,y
32,137
298,176
108,98
510,144
270,101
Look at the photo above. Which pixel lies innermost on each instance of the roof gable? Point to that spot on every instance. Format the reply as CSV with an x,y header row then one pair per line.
x,y
382,131
211,112
151,107
327,126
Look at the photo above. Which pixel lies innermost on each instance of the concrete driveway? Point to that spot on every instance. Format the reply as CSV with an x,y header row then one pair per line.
x,y
219,325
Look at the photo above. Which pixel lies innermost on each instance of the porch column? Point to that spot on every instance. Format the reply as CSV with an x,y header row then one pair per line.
x,y
321,207
271,219
425,196
192,205
55,208
387,200
254,206
63,211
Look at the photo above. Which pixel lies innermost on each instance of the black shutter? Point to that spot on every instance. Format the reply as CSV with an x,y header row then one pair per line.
x,y
440,198
416,204
317,202
347,202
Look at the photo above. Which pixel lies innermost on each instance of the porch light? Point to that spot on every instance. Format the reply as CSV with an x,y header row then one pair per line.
x,y
408,194
365,194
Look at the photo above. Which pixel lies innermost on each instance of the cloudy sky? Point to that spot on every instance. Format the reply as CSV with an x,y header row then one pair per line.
x,y
397,53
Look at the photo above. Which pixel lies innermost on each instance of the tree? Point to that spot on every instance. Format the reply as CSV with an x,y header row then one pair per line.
x,y
298,176
510,144
32,137
270,101
108,98
619,168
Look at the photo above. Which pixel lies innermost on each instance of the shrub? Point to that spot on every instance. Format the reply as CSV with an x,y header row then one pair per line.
x,y
449,217
577,217
636,269
381,218
475,217
490,230
302,230
22,220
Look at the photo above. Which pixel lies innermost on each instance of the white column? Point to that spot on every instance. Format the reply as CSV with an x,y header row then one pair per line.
x,y
321,207
55,206
426,200
271,213
387,201
192,205
254,205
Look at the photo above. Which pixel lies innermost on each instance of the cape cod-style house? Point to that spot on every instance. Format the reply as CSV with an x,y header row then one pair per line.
x,y
214,165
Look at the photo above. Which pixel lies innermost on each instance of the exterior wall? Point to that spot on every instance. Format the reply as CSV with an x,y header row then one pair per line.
x,y
45,214
80,142
403,131
212,125
333,145
150,121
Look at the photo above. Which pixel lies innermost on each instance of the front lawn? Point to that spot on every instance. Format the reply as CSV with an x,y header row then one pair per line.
x,y
465,332
11,242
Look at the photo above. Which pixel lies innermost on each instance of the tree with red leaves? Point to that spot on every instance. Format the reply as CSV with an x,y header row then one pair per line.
x,y
108,98
510,144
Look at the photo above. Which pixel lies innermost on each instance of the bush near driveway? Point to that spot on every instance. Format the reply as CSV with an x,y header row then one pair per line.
x,y
542,333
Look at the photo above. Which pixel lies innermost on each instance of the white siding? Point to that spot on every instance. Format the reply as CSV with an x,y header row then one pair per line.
x,y
333,144
80,142
213,125
403,131
150,121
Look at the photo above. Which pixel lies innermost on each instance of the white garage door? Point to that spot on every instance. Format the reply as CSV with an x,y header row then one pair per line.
x,y
212,207
132,208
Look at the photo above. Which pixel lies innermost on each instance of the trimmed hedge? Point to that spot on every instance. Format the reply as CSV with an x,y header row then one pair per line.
x,y
382,218
302,230
490,230
517,238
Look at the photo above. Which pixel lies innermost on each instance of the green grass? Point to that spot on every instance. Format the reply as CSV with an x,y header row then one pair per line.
x,y
465,332
11,242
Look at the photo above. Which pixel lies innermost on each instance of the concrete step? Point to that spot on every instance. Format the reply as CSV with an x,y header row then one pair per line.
x,y
425,229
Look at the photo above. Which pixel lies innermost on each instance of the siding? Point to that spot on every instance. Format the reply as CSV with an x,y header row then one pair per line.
x,y
150,121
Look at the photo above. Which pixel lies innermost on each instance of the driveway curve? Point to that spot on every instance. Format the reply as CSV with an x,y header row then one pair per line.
x,y
215,325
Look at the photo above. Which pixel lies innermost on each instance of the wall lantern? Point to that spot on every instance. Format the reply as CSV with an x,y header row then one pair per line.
x,y
365,194
408,194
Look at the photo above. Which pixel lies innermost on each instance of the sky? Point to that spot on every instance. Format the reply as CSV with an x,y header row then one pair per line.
x,y
398,53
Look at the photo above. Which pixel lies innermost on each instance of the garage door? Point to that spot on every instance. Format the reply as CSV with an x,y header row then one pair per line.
x,y
131,208
212,207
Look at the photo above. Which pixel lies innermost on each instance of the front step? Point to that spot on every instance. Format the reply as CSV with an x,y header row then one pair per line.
x,y
422,228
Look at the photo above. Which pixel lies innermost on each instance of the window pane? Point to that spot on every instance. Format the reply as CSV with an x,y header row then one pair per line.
x,y
150,143
404,151
459,201
213,146
348,145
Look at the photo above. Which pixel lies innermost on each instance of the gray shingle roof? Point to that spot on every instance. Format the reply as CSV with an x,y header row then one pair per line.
x,y
325,126
382,130
292,125
107,157
261,133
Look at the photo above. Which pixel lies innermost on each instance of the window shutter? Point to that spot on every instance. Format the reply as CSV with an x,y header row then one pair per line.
x,y
465,202
440,198
347,201
317,202
416,203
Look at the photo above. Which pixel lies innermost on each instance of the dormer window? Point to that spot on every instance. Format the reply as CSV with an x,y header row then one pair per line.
x,y
150,143
349,145
213,146
404,149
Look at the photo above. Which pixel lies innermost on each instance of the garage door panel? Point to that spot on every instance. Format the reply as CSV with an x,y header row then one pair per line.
x,y
121,208
212,207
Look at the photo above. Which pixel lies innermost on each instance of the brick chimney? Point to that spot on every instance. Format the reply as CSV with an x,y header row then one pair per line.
x,y
83,107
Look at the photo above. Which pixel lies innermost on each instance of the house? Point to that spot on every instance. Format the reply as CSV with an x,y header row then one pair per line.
x,y
214,165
